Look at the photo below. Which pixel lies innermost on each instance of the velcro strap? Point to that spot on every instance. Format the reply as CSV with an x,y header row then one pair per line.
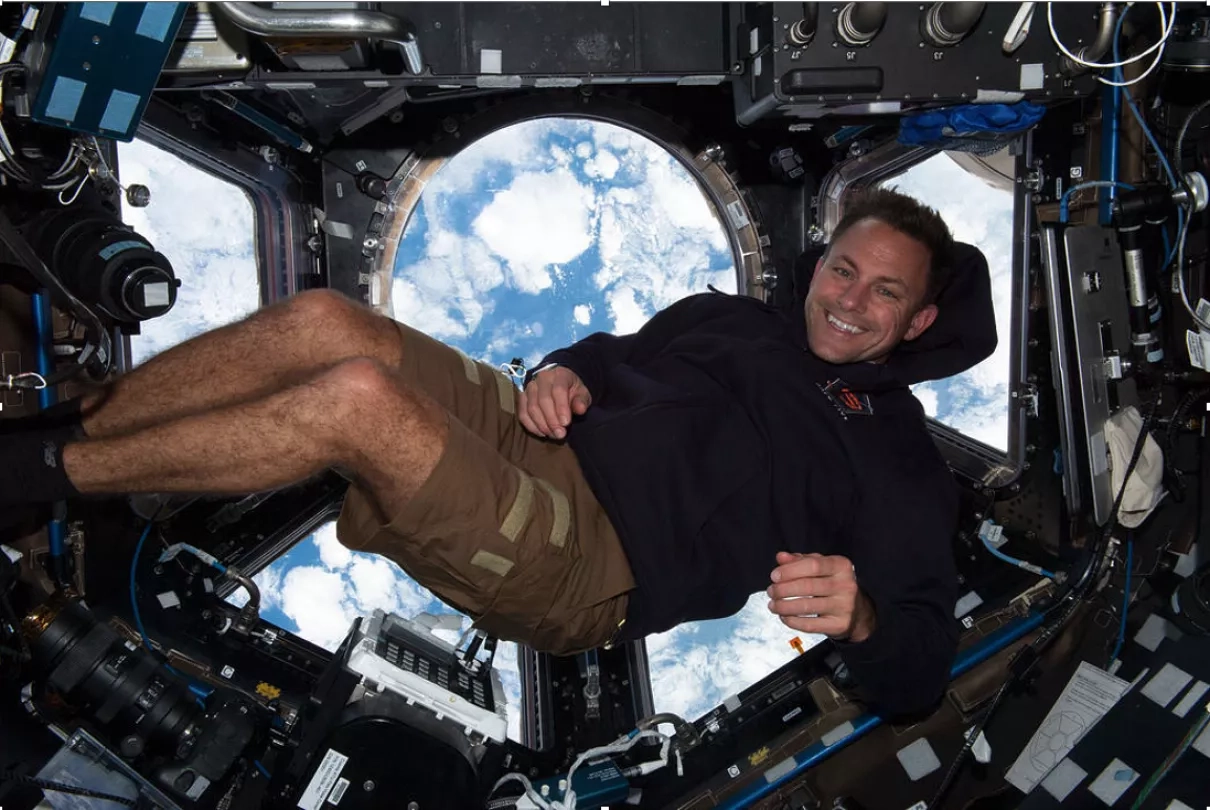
x,y
523,504
562,510
492,562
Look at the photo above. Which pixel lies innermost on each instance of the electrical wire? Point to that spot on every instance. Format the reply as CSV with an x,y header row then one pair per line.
x,y
971,739
1063,201
1138,115
1195,730
525,783
569,797
58,787
568,801
1168,25
1117,648
199,691
1027,657
1025,566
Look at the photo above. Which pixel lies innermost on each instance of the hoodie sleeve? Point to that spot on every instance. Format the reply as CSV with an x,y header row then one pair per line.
x,y
593,357
904,563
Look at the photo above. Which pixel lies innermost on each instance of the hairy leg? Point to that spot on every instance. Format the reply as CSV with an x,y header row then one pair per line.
x,y
357,416
272,349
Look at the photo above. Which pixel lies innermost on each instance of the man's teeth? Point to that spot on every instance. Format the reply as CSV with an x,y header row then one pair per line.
x,y
846,327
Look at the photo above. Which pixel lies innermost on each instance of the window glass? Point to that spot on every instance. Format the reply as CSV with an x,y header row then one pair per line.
x,y
975,402
205,227
526,241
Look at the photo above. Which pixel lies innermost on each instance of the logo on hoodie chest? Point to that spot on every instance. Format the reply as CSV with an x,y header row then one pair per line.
x,y
847,401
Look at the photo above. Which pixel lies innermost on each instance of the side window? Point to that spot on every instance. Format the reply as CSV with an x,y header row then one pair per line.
x,y
205,227
976,402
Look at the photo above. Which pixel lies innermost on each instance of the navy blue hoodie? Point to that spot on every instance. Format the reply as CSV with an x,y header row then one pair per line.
x,y
715,439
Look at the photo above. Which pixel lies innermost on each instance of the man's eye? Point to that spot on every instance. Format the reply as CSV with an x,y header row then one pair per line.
x,y
842,271
885,293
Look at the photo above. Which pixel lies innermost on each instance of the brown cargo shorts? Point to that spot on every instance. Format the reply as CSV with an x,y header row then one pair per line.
x,y
506,529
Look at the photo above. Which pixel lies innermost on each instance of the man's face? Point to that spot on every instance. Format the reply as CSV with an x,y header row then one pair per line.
x,y
866,293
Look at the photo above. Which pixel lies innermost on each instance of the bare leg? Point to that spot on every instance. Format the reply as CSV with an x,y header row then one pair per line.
x,y
276,347
356,415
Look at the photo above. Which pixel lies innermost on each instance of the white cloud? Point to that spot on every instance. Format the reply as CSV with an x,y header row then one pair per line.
x,y
696,666
317,601
584,149
980,215
627,313
332,553
541,219
583,314
604,166
506,335
447,294
205,226
927,397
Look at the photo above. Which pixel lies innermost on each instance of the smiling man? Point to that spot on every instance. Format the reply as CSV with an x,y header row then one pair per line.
x,y
726,439
638,482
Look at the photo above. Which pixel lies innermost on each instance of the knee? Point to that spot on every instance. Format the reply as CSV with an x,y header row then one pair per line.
x,y
321,305
364,388
365,401
336,318
362,380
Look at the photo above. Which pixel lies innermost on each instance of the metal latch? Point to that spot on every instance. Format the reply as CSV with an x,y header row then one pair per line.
x,y
1115,367
1027,395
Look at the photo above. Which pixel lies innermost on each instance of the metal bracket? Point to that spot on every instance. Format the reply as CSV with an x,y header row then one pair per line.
x,y
1027,396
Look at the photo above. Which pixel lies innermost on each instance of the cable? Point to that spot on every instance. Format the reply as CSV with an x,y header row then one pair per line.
x,y
1025,566
971,738
1025,659
1063,202
134,602
23,652
1117,648
26,256
1138,115
1180,274
1184,745
58,787
1166,27
1050,20
201,692
569,802
525,783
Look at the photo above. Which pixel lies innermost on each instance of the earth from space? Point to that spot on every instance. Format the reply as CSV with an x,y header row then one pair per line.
x,y
528,240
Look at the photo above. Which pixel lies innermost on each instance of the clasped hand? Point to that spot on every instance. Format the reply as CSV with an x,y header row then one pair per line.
x,y
550,399
836,608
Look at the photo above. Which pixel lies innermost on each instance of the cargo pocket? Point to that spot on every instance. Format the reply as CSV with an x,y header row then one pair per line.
x,y
545,551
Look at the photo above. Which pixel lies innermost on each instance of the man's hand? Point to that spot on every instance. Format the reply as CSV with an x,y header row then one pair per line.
x,y
837,607
550,399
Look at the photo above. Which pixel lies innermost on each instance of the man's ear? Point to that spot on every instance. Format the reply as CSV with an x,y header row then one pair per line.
x,y
922,320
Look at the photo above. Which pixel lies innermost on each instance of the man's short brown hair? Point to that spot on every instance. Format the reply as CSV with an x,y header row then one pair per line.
x,y
910,217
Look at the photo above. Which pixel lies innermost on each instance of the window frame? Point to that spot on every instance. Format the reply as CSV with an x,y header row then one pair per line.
x,y
984,465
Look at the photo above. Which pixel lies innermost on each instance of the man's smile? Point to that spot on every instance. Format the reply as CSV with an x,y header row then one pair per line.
x,y
843,327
